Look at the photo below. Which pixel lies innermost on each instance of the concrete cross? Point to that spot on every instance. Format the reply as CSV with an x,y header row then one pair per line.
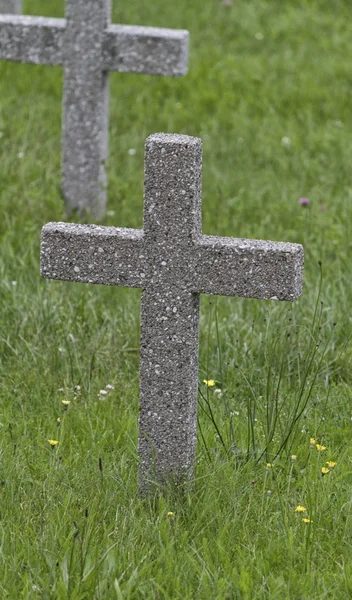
x,y
173,263
11,7
88,47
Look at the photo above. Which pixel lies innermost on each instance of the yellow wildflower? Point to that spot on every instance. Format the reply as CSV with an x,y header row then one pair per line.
x,y
294,457
268,466
66,403
312,442
170,514
325,470
209,382
300,509
53,443
305,520
58,420
320,448
331,464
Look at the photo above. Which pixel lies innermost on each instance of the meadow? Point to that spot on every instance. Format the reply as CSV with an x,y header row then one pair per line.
x,y
269,513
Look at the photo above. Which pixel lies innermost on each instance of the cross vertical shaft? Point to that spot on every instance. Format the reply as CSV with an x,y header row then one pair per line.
x,y
11,7
85,118
169,312
168,386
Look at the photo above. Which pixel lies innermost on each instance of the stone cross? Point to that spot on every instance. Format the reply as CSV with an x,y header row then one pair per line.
x,y
173,263
11,7
88,47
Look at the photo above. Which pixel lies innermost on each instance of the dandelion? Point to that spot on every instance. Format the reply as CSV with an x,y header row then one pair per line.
x,y
331,464
132,151
218,392
312,442
53,443
268,466
58,420
209,382
303,201
325,470
170,514
102,393
305,520
300,509
320,448
294,457
66,403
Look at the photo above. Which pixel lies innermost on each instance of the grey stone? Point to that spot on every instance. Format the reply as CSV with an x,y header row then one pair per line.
x,y
173,263
88,47
11,7
35,40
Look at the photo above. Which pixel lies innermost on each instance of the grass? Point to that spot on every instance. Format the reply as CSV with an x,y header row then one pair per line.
x,y
269,93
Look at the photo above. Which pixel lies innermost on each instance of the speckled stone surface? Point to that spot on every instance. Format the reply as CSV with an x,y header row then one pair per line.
x,y
11,7
173,263
88,47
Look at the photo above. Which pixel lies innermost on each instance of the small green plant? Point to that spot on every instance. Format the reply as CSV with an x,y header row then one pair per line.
x,y
275,405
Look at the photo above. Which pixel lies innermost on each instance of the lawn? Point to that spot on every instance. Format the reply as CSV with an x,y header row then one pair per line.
x,y
269,514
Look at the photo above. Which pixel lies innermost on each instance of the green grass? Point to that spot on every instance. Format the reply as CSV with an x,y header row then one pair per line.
x,y
71,522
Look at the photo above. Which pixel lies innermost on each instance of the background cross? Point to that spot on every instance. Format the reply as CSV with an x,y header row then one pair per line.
x,y
88,47
173,263
11,7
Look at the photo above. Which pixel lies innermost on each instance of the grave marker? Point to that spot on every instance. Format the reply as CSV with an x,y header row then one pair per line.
x,y
173,263
88,47
11,7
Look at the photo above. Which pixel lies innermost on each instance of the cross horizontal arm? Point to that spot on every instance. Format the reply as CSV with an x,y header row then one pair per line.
x,y
148,50
248,268
36,40
92,254
126,48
